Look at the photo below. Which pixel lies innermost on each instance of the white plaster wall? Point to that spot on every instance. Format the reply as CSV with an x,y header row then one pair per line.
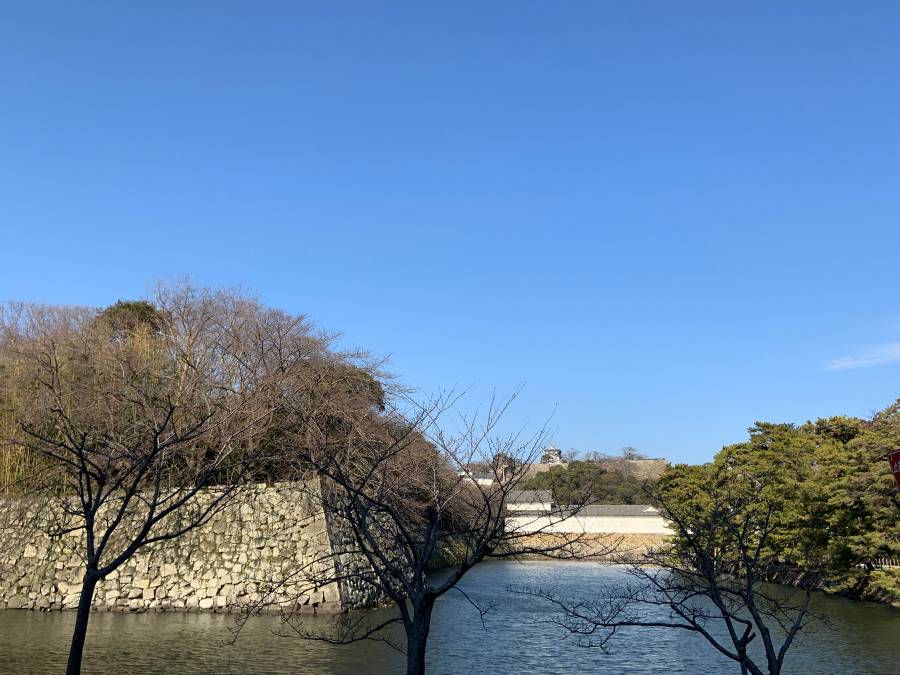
x,y
539,507
653,524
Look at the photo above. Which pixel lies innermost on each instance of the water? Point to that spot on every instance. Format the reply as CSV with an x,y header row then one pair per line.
x,y
861,638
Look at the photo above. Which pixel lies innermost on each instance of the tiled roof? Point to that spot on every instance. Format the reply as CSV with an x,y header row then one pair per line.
x,y
530,497
617,510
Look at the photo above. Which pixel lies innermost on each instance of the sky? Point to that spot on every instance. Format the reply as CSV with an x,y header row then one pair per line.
x,y
666,221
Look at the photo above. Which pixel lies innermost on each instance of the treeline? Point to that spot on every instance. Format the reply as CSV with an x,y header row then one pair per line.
x,y
191,356
831,500
595,482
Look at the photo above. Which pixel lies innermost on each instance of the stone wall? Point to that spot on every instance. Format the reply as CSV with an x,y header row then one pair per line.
x,y
642,469
240,555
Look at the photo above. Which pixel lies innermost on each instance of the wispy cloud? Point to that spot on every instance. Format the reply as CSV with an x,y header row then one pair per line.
x,y
881,355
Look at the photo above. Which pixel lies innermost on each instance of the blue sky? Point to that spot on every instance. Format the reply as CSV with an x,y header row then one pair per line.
x,y
667,221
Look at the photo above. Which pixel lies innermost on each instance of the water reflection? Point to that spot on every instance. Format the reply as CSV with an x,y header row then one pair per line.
x,y
862,638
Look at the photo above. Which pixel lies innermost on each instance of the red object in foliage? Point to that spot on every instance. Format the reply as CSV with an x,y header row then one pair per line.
x,y
894,459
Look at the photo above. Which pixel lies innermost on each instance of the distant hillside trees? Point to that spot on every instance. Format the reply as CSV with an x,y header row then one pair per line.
x,y
596,481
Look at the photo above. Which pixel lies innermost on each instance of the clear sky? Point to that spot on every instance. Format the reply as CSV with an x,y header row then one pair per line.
x,y
668,220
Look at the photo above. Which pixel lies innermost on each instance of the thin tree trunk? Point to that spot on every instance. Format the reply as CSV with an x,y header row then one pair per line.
x,y
76,650
417,638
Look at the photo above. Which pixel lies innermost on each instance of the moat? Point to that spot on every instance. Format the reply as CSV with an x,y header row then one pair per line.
x,y
856,638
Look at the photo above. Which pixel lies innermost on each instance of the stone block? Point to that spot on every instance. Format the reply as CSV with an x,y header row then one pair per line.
x,y
215,564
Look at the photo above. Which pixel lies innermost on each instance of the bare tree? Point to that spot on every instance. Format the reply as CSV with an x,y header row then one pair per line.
x,y
710,579
631,453
146,419
400,482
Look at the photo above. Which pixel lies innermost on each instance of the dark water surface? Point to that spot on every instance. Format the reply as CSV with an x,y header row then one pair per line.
x,y
860,638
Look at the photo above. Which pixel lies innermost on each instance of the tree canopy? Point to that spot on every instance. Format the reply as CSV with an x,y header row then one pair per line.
x,y
135,424
578,481
836,502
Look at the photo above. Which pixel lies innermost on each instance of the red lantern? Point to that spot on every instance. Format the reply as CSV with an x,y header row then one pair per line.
x,y
894,459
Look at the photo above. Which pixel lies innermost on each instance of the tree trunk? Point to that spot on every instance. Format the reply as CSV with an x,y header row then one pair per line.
x,y
76,650
417,638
